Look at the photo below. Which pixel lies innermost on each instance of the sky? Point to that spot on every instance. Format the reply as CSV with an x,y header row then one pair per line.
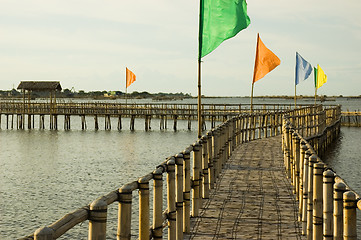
x,y
87,44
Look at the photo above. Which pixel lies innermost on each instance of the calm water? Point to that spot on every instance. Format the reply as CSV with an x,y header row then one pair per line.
x,y
45,174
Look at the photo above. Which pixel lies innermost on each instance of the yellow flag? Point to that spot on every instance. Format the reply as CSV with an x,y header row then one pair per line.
x,y
130,77
265,61
321,77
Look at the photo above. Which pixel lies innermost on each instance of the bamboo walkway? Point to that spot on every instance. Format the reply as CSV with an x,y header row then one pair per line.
x,y
252,199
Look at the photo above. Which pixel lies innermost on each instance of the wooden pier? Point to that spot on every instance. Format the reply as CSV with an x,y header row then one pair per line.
x,y
21,115
351,119
246,181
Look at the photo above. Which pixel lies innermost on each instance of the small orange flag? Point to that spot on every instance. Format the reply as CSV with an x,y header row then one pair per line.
x,y
130,77
265,61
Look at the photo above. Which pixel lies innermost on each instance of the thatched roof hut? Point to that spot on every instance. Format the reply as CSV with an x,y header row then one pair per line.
x,y
40,86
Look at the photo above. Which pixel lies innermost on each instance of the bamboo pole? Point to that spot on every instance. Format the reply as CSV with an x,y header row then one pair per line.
x,y
305,191
205,177
328,181
215,151
210,159
317,200
339,189
197,158
143,185
287,150
303,149
312,160
186,190
297,165
179,195
349,216
157,229
124,213
98,219
171,199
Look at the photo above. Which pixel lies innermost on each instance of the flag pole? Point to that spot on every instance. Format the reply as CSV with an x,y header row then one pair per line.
x,y
254,72
199,102
126,96
126,88
252,97
295,96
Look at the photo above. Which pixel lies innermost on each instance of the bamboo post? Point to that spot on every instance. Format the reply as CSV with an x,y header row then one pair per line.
x,y
297,165
245,129
157,230
205,177
143,185
312,160
253,126
197,158
303,148
124,213
290,150
221,148
98,220
317,200
305,191
171,199
292,164
287,150
242,127
259,117
186,191
328,181
339,189
44,233
349,216
210,159
265,126
179,195
250,127
215,150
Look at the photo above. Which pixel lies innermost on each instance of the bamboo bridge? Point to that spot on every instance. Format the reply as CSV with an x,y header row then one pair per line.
x,y
21,115
255,175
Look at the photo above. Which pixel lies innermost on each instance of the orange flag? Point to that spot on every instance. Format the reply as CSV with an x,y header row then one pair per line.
x,y
130,78
265,62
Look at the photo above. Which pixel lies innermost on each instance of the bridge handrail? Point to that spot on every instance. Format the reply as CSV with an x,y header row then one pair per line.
x,y
320,205
186,186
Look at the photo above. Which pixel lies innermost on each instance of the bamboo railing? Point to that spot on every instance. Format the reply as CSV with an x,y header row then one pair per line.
x,y
327,205
351,119
190,174
210,112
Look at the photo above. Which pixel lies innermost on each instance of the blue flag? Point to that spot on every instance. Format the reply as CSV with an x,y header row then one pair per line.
x,y
303,68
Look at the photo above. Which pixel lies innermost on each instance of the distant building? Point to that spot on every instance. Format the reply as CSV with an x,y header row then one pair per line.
x,y
40,86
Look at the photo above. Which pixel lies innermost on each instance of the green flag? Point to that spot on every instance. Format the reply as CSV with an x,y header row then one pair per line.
x,y
219,21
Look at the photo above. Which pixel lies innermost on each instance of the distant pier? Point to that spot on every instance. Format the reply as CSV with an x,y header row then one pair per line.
x,y
21,115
